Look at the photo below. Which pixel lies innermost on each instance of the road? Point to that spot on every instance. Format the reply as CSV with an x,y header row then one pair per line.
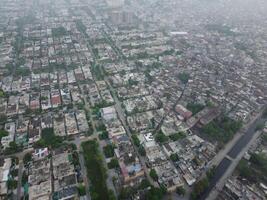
x,y
223,152
232,158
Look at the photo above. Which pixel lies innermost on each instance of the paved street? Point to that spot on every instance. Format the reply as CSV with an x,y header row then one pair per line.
x,y
223,173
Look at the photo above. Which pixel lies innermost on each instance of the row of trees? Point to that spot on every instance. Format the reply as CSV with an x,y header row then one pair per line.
x,y
96,171
222,130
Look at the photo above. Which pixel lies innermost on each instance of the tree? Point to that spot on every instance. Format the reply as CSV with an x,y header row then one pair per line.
x,y
113,163
59,31
244,170
194,107
3,133
184,77
177,136
161,138
144,184
155,193
111,195
199,188
211,172
81,189
49,139
103,135
2,94
142,151
180,191
12,184
3,118
174,157
13,148
136,140
109,151
27,158
153,174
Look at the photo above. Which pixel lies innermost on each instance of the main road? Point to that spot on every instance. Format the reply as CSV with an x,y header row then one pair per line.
x,y
229,162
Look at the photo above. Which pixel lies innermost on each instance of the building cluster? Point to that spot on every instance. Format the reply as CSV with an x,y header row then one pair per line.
x,y
157,70
131,170
52,177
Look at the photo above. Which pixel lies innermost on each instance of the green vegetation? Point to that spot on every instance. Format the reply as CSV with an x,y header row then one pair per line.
x,y
81,190
260,126
174,157
27,158
22,71
2,94
180,191
109,151
59,31
151,193
49,139
3,118
155,193
96,71
199,188
111,195
3,133
153,174
13,148
95,171
194,107
177,136
113,163
259,161
101,127
12,184
211,172
184,77
81,27
24,178
221,130
103,135
142,151
132,82
254,170
136,140
161,138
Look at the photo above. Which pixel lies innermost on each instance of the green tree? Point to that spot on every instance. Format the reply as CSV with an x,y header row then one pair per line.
x,y
161,138
3,133
113,163
3,118
180,191
142,151
109,151
174,157
153,174
27,158
136,140
199,188
81,189
184,77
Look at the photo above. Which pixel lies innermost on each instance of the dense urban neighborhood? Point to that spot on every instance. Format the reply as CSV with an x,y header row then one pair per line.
x,y
133,100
